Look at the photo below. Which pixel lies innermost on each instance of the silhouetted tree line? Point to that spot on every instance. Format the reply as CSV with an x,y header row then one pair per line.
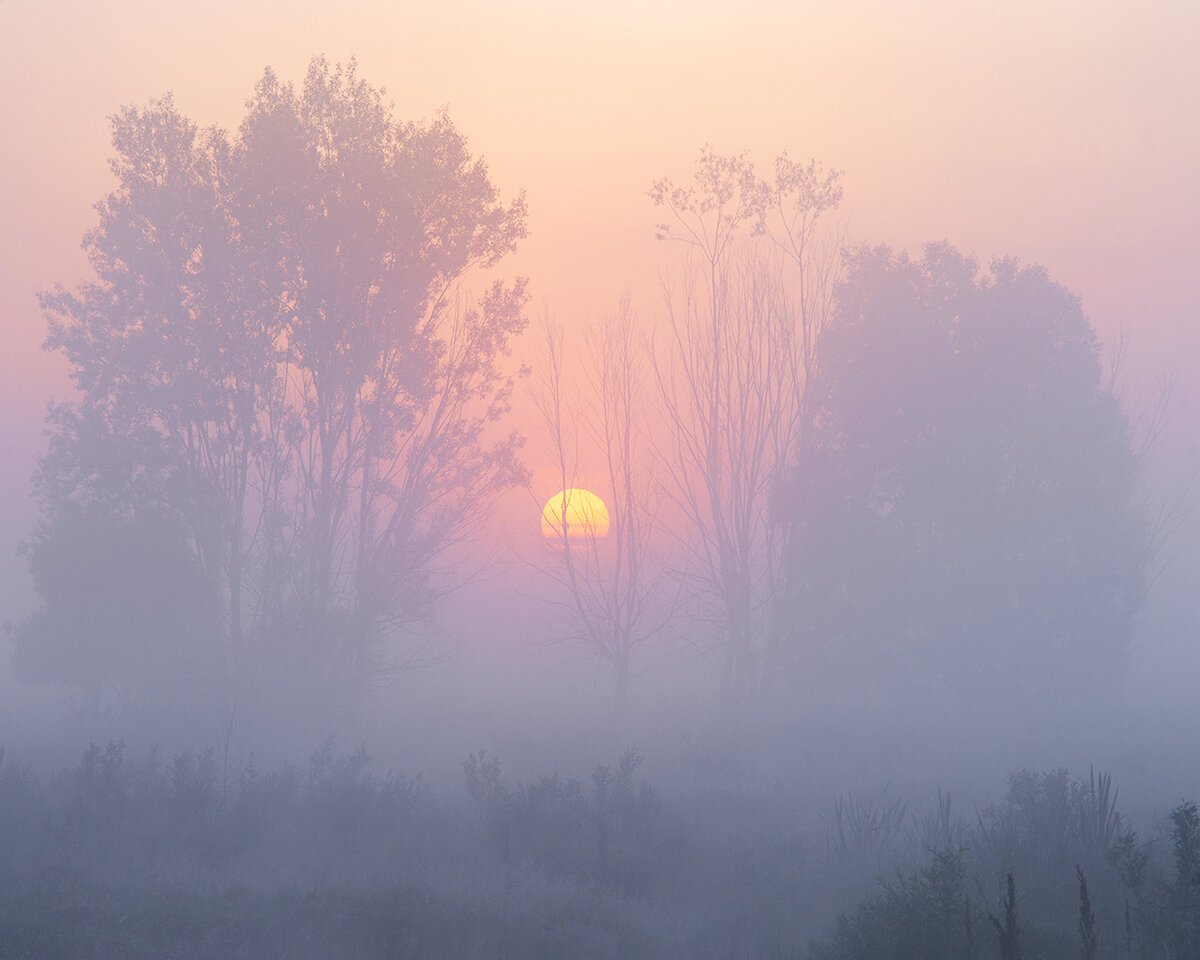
x,y
287,414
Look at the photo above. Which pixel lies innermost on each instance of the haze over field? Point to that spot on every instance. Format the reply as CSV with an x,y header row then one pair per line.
x,y
800,394
1062,134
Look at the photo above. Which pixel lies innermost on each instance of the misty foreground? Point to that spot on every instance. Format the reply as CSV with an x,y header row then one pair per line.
x,y
185,857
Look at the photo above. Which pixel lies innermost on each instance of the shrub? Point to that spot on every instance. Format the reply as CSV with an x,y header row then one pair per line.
x,y
918,916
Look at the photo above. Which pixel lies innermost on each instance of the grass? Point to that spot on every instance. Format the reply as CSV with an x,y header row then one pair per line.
x,y
171,857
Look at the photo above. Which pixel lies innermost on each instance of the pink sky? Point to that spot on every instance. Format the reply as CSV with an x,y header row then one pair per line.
x,y
1063,133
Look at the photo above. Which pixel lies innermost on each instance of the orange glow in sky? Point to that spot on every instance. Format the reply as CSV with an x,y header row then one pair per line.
x,y
1064,133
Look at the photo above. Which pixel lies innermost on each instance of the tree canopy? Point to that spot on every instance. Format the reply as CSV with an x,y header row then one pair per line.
x,y
276,354
966,504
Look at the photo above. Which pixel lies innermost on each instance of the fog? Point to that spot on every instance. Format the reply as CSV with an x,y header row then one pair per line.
x,y
674,482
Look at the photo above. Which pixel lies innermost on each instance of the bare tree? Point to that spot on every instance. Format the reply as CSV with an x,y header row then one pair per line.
x,y
619,596
743,328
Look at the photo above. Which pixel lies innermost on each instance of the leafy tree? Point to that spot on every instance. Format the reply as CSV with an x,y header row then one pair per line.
x,y
966,507
378,222
275,353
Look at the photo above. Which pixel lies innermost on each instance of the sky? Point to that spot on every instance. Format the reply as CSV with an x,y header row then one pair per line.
x,y
1065,133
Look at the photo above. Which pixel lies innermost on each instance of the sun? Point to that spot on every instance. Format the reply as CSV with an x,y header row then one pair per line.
x,y
583,512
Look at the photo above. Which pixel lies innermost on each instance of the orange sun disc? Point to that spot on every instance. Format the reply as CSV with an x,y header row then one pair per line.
x,y
583,513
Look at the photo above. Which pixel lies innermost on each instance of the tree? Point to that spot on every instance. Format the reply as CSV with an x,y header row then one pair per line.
x,y
124,615
966,513
276,352
743,327
619,592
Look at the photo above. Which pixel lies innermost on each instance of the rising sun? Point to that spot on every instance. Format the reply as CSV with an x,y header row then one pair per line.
x,y
584,514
